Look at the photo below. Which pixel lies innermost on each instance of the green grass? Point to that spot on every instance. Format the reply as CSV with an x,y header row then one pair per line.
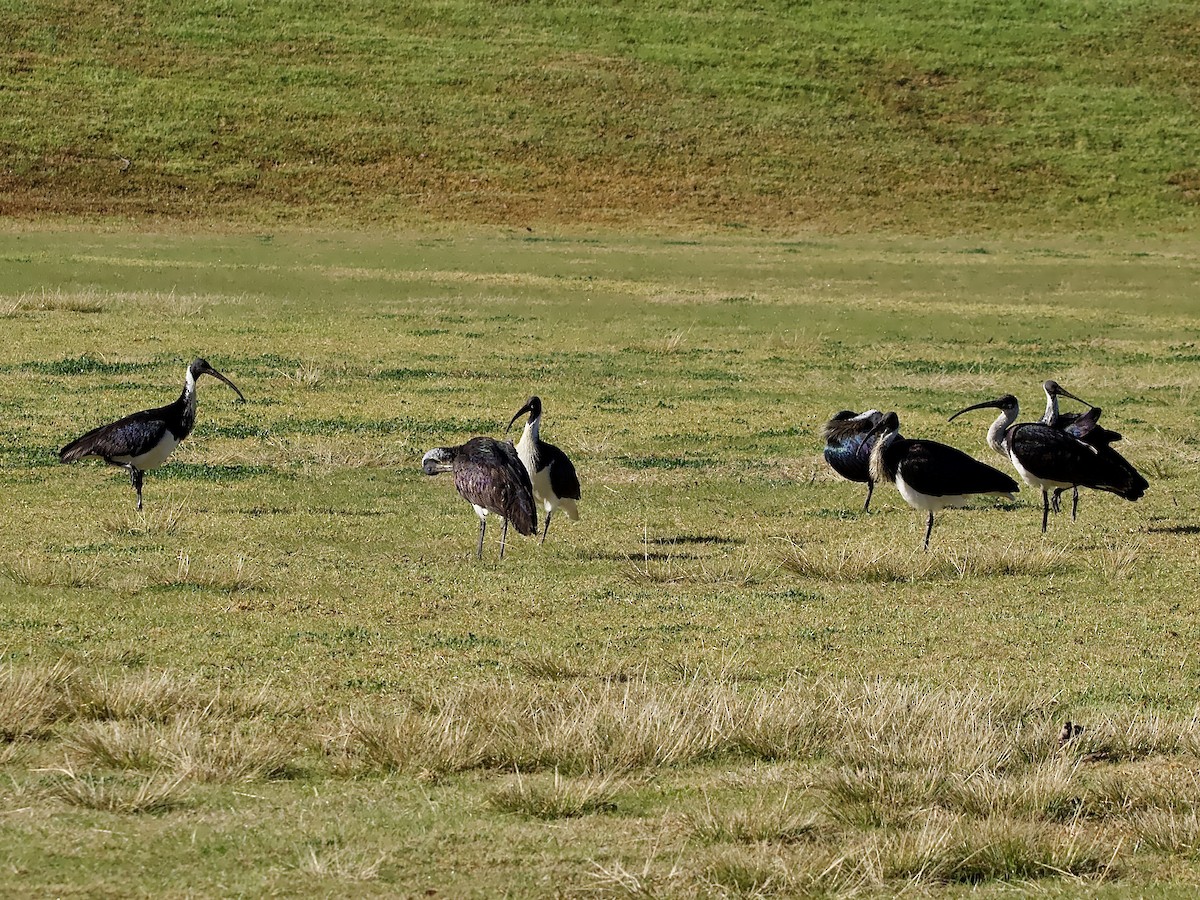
x,y
933,117
289,674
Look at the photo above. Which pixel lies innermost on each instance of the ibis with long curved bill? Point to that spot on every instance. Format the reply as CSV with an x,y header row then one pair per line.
x,y
931,476
142,441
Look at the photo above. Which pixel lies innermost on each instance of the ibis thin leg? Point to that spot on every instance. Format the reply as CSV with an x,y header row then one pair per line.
x,y
1045,509
870,490
928,530
482,529
135,478
1074,501
546,527
503,537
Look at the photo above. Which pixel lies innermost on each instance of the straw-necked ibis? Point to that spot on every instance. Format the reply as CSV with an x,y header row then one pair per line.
x,y
489,475
555,483
1048,458
141,442
848,441
931,476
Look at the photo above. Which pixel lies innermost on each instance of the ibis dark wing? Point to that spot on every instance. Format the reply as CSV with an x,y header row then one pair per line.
x,y
130,436
563,479
489,473
1086,427
940,470
847,447
1119,475
1055,455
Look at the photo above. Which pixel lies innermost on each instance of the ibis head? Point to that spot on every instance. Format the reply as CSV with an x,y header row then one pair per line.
x,y
889,423
533,406
1006,404
1054,389
440,459
201,366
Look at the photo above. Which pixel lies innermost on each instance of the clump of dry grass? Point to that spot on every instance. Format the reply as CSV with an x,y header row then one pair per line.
x,y
549,666
82,301
558,797
157,521
1172,831
197,747
307,375
618,726
145,696
762,822
33,698
966,852
236,575
52,571
154,793
856,563
862,563
341,863
1117,561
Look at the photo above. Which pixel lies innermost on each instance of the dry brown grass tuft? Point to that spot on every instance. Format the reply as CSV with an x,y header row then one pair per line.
x,y
52,571
141,523
557,797
197,747
864,563
234,576
33,698
145,696
307,375
155,793
762,822
85,301
856,563
997,850
341,863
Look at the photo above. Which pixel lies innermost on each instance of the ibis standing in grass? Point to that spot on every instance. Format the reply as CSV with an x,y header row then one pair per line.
x,y
1084,426
848,438
555,483
489,475
1050,459
141,442
931,476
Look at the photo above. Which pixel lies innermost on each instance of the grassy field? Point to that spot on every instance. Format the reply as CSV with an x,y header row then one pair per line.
x,y
289,674
907,117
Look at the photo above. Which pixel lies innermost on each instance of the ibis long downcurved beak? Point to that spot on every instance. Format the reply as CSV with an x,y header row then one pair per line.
x,y
528,407
994,404
213,372
1056,388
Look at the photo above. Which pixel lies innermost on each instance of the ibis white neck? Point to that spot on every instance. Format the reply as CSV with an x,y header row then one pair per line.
x,y
995,435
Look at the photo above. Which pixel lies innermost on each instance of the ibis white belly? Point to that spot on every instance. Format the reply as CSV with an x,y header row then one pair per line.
x,y
927,502
1034,481
152,458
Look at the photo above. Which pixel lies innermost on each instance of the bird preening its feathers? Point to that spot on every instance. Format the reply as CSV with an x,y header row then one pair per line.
x,y
849,437
489,475
142,441
1060,452
509,480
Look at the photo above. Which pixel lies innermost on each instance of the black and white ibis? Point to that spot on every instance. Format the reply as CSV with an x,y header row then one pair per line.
x,y
1084,425
489,475
931,476
1048,458
848,441
141,442
551,472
